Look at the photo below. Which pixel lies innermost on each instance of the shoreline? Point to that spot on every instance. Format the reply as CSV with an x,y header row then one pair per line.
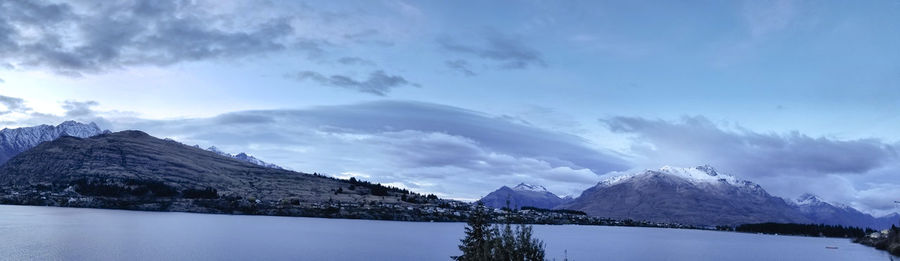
x,y
612,223
889,243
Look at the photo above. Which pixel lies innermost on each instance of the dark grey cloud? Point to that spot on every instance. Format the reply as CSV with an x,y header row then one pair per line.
x,y
696,140
461,66
510,51
349,60
378,82
80,37
75,109
361,35
13,104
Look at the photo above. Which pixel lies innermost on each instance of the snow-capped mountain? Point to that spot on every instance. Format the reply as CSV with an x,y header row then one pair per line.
x,y
529,187
698,196
243,157
522,195
18,140
822,212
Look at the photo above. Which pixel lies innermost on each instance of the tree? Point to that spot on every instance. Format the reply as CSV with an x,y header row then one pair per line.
x,y
476,245
484,241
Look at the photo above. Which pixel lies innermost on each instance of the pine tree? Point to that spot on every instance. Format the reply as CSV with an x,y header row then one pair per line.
x,y
530,247
478,242
486,242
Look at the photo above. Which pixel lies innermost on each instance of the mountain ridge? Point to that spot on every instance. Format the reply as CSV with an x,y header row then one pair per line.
x,y
243,157
17,140
696,196
522,195
822,212
133,170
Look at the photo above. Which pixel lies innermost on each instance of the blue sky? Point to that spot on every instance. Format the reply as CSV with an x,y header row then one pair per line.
x,y
808,88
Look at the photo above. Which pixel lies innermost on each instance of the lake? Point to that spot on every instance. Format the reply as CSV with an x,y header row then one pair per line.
x,y
49,233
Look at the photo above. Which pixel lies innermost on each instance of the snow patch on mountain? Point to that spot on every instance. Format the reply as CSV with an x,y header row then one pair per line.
x,y
240,156
808,199
697,175
530,187
522,195
243,157
18,140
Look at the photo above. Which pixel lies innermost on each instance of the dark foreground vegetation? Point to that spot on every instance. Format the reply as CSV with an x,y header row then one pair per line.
x,y
811,230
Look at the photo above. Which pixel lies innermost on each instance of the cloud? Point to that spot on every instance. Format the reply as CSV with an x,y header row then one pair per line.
x,y
12,104
361,34
508,50
696,140
427,147
355,61
857,172
378,83
76,109
460,153
77,37
461,66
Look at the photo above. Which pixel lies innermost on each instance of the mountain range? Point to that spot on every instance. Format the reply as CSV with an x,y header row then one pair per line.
x,y
244,157
73,155
18,140
523,195
695,196
822,212
133,170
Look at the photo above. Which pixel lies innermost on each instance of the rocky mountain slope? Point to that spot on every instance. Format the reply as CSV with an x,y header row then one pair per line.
x,y
133,170
522,195
697,196
18,140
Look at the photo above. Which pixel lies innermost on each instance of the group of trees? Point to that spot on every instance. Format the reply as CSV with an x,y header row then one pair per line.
x,y
805,229
207,193
137,188
418,199
484,241
375,188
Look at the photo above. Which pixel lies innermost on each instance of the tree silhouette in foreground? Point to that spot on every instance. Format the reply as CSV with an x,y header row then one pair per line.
x,y
484,241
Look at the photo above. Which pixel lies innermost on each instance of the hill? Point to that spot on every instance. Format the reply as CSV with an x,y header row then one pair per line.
x,y
133,170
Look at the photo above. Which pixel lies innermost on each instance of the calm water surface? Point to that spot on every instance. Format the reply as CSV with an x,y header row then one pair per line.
x,y
48,233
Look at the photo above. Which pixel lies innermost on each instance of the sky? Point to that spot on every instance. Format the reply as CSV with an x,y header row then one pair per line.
x,y
458,98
